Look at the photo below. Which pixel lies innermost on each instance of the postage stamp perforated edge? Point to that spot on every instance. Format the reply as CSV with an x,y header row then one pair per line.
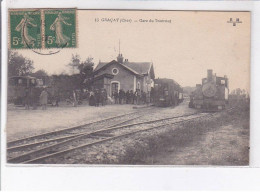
x,y
42,28
9,27
75,28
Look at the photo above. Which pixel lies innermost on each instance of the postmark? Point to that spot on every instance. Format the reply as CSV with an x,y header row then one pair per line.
x,y
40,29
60,28
25,29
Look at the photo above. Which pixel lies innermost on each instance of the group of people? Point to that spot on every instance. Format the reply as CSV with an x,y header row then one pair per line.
x,y
98,97
31,98
94,97
130,97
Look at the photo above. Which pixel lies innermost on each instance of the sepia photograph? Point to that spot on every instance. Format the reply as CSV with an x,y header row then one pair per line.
x,y
128,87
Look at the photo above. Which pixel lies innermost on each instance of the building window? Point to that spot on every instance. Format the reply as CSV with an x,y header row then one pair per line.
x,y
115,71
20,81
138,85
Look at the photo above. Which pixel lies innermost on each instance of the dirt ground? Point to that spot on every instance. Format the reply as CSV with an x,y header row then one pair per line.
x,y
23,123
227,145
220,140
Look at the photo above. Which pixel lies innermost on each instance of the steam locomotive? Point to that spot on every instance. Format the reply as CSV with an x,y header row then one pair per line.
x,y
167,92
212,94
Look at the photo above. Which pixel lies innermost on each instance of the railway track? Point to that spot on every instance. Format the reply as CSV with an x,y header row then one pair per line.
x,y
88,138
45,139
73,130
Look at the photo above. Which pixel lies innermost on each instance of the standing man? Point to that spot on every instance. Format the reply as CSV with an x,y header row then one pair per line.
x,y
101,97
131,96
104,96
34,97
97,97
152,95
44,99
27,99
92,99
75,99
121,96
135,97
116,97
138,98
143,97
57,99
127,97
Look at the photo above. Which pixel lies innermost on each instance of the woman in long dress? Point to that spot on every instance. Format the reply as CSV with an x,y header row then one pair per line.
x,y
92,100
22,27
44,99
61,38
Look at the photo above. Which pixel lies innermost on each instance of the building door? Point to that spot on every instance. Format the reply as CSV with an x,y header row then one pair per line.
x,y
138,85
114,87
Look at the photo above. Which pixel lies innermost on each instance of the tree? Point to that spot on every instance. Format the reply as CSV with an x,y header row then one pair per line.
x,y
238,91
19,65
75,62
40,73
85,69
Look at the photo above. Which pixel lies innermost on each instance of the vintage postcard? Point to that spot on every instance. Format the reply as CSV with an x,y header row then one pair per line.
x,y
128,87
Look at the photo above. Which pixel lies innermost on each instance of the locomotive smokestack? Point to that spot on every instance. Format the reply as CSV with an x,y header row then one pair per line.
x,y
210,74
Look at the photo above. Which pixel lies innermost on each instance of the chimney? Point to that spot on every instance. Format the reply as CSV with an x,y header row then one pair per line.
x,y
120,58
210,74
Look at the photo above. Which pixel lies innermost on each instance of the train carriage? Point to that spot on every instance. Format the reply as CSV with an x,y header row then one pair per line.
x,y
17,86
167,92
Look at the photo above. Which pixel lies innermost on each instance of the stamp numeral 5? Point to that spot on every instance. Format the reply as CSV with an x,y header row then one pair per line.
x,y
50,40
16,40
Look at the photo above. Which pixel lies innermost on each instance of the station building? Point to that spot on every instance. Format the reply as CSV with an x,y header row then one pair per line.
x,y
123,74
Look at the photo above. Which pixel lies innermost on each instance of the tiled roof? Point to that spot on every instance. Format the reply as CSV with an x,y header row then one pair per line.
x,y
136,67
100,65
140,67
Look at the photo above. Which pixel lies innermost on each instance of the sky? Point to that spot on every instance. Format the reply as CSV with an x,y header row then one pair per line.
x,y
181,49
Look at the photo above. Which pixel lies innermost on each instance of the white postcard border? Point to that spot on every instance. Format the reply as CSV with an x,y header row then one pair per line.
x,y
139,178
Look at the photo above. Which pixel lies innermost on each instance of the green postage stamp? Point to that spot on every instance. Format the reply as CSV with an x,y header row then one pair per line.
x,y
60,28
25,29
42,28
